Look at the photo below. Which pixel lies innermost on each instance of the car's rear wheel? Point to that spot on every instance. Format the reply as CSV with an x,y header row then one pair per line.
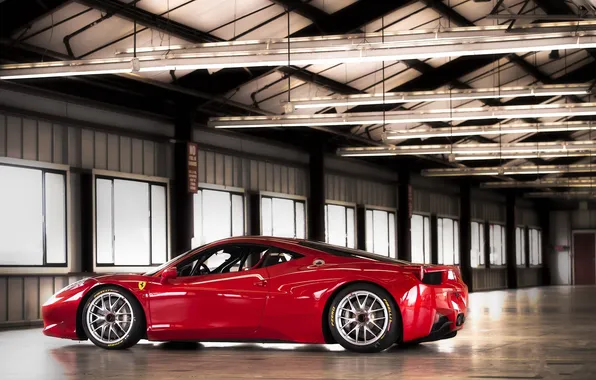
x,y
113,319
363,318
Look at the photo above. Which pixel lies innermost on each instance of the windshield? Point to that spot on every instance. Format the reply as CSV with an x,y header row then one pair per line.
x,y
349,252
167,263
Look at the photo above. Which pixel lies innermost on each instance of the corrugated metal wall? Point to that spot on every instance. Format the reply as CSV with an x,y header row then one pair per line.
x,y
81,148
489,278
360,191
527,217
21,297
426,201
251,174
488,211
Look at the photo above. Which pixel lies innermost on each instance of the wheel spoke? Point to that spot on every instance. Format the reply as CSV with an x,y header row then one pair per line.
x,y
96,315
352,306
348,322
357,330
377,326
99,326
112,329
348,310
364,303
376,310
371,333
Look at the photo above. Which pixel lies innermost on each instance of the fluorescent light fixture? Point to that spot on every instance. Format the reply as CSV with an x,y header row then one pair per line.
x,y
514,156
563,195
411,116
510,170
68,68
336,49
435,96
544,183
483,130
478,151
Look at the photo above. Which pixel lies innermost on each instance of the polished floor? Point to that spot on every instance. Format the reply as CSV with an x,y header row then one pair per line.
x,y
538,333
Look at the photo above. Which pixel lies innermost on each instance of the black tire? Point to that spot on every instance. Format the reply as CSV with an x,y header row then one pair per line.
x,y
137,329
388,336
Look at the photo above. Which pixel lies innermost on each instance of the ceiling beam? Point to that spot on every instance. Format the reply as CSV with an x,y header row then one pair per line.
x,y
151,20
304,9
17,14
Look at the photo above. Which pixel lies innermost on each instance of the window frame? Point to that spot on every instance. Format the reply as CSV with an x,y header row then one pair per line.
x,y
347,205
455,220
540,248
233,191
45,268
388,210
423,215
503,246
150,180
294,198
482,224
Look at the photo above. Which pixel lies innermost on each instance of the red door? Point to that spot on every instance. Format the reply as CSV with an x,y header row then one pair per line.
x,y
208,307
584,261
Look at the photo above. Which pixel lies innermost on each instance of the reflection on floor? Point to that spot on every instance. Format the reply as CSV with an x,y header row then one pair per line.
x,y
540,333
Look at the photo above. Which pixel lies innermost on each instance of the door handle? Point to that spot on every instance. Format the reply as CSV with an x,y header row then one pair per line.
x,y
261,283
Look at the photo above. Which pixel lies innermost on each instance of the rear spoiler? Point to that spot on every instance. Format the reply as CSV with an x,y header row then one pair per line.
x,y
419,270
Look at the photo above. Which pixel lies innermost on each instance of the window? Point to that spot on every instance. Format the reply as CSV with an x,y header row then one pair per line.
x,y
131,222
339,225
520,246
448,241
283,217
350,253
234,258
380,232
477,248
420,235
33,217
217,215
497,245
535,237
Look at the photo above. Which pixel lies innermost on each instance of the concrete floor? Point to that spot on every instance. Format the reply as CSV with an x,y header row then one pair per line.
x,y
539,333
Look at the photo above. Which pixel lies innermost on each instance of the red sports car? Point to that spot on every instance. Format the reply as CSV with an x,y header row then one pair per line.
x,y
265,290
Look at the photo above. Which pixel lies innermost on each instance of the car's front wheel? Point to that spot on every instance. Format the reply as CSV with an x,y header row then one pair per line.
x,y
363,318
113,319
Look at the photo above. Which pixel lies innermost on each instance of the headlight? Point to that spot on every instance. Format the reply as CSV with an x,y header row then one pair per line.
x,y
74,285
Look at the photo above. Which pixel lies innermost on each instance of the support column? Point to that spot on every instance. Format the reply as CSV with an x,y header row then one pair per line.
x,y
434,239
404,214
182,201
510,242
544,218
316,202
486,244
361,227
465,238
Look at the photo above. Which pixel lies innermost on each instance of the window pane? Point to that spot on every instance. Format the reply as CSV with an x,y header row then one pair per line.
x,y
481,244
159,225
283,218
21,218
217,216
104,220
326,224
427,258
336,216
266,217
440,239
417,239
300,221
380,233
456,242
392,233
197,218
448,243
131,223
369,231
351,229
55,203
503,246
540,253
475,245
237,215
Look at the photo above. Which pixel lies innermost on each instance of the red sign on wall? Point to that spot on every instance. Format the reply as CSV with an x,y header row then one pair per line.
x,y
193,167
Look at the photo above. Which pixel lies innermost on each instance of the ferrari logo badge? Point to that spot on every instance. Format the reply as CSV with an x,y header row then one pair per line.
x,y
142,285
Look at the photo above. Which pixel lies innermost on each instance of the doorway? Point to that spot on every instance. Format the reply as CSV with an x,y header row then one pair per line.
x,y
584,258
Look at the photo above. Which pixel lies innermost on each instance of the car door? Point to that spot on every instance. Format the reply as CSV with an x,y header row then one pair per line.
x,y
211,306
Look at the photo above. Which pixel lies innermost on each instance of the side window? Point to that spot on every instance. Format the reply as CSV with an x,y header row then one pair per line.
x,y
278,256
220,260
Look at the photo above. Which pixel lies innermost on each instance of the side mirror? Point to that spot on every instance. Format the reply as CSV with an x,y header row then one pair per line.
x,y
169,274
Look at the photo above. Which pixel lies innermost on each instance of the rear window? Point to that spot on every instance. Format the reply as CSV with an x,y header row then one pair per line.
x,y
349,252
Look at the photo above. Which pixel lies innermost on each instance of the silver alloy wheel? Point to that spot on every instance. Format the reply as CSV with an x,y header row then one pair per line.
x,y
361,318
109,318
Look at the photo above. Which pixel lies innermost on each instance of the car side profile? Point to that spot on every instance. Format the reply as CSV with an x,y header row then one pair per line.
x,y
261,289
